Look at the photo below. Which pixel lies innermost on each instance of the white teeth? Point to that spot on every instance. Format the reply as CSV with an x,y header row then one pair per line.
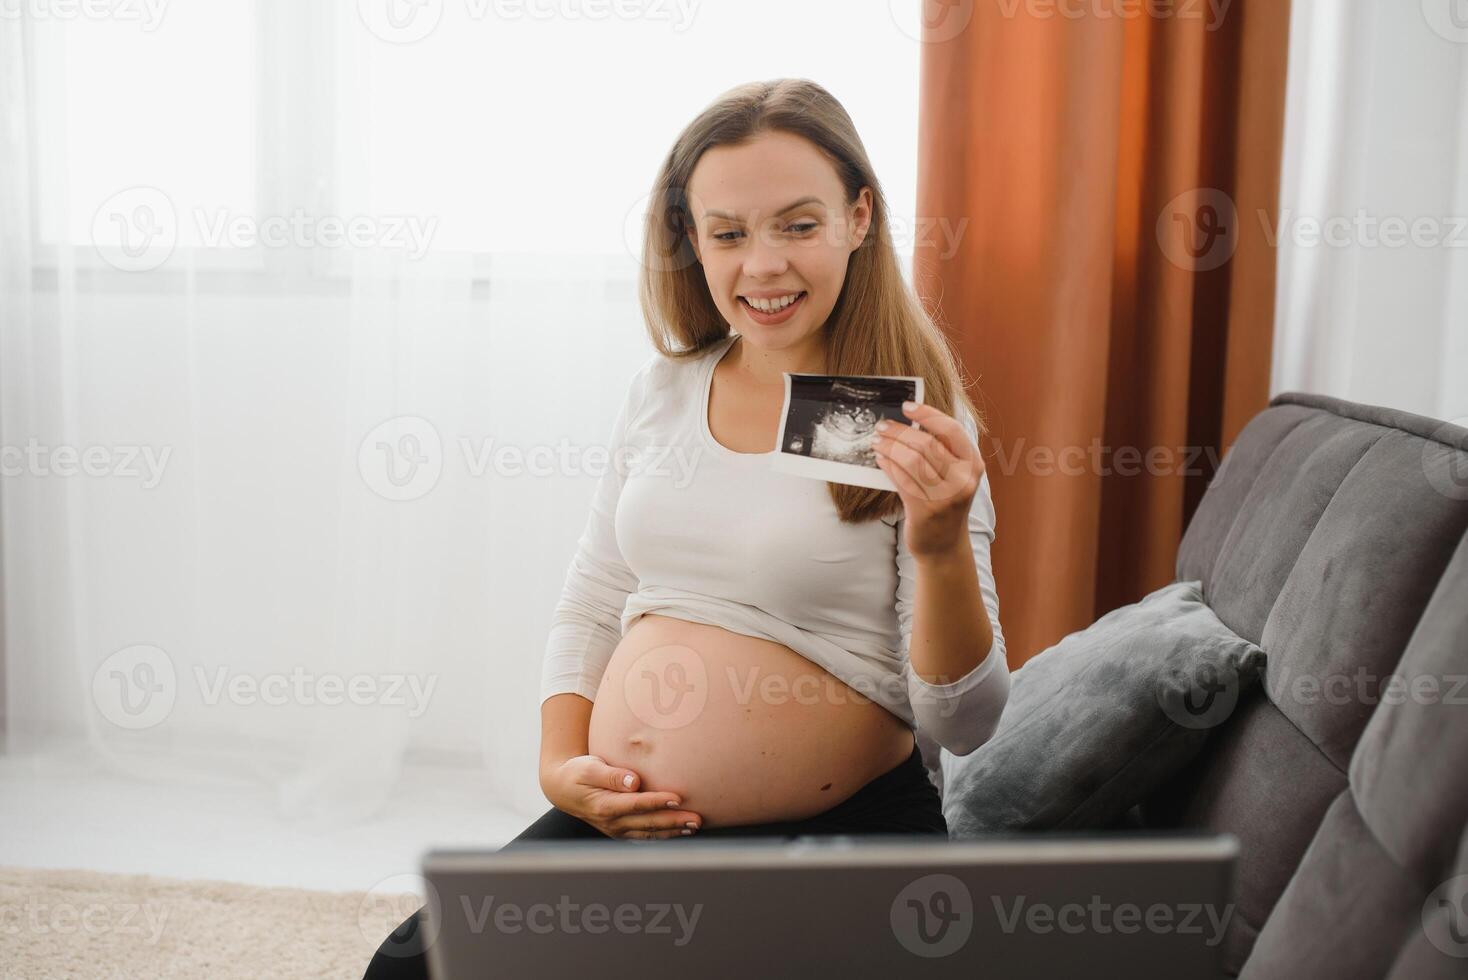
x,y
772,306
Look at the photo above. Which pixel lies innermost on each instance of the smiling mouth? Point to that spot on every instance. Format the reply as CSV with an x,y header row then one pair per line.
x,y
748,305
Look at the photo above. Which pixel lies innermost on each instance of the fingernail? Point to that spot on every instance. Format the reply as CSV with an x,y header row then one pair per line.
x,y
691,825
673,804
909,406
627,780
685,833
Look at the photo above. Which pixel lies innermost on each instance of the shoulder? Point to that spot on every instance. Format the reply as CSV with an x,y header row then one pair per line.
x,y
663,374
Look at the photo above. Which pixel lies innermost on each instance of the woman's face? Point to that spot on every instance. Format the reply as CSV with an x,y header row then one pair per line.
x,y
754,246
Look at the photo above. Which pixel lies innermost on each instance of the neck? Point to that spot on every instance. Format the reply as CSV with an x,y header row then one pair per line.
x,y
764,367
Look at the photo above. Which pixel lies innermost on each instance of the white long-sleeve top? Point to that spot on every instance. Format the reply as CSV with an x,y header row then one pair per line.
x,y
682,526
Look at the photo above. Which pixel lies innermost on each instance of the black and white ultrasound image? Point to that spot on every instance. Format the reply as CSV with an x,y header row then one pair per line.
x,y
834,418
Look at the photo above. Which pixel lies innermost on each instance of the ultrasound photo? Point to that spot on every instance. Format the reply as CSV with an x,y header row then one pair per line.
x,y
829,420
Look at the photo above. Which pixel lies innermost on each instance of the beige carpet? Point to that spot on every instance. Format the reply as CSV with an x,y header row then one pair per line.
x,y
86,924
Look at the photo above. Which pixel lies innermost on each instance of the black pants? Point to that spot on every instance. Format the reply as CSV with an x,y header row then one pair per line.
x,y
900,801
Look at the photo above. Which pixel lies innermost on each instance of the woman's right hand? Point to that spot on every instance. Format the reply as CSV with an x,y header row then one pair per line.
x,y
587,788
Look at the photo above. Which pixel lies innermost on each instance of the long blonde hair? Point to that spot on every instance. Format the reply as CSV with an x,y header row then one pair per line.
x,y
877,326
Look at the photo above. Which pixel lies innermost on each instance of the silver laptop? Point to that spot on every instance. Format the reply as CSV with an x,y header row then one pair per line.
x,y
1012,906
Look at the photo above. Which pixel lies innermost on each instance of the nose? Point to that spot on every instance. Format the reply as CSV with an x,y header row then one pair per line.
x,y
765,258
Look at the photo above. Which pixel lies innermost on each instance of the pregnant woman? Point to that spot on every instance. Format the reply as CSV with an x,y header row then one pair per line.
x,y
742,651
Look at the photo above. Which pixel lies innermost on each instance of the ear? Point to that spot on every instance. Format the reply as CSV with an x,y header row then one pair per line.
x,y
860,217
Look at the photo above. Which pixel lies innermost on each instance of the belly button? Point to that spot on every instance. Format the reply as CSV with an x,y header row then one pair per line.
x,y
825,787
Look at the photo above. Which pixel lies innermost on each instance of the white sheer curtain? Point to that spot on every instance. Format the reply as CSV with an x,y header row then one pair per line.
x,y
258,523
1373,231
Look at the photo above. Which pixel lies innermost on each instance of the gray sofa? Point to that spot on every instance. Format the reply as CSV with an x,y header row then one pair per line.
x,y
1333,536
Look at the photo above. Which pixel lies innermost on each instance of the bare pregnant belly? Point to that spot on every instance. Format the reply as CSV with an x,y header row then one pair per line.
x,y
744,729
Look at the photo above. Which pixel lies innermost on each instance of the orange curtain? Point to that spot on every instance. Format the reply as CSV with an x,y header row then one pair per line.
x,y
1108,170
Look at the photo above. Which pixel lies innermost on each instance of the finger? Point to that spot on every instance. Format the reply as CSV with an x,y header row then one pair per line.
x,y
624,804
956,478
948,430
914,467
922,455
617,779
901,477
659,822
646,835
932,445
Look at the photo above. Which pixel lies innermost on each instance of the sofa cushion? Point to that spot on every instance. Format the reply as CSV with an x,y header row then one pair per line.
x,y
1387,862
1102,718
1325,537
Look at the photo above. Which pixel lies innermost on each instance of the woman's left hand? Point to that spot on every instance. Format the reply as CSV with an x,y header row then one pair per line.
x,y
937,472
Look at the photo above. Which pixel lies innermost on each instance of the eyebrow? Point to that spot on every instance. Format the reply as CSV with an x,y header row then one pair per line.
x,y
787,208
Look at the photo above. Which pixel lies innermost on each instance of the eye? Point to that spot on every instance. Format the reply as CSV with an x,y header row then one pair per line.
x,y
809,226
721,236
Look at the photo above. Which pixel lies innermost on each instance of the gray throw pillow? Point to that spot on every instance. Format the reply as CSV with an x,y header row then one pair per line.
x,y
1097,722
